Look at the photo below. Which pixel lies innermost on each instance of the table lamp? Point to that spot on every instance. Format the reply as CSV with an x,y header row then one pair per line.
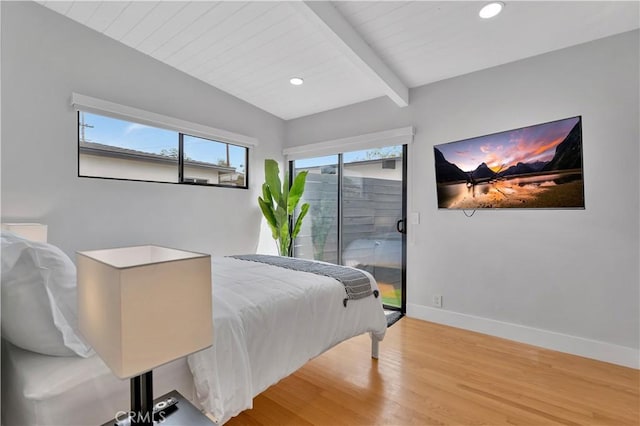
x,y
141,307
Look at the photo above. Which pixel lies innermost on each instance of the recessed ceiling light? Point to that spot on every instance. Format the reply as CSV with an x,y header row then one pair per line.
x,y
492,9
296,81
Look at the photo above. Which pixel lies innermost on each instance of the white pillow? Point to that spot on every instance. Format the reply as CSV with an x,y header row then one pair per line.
x,y
39,310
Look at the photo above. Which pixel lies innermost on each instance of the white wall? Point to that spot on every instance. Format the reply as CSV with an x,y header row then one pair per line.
x,y
572,272
46,57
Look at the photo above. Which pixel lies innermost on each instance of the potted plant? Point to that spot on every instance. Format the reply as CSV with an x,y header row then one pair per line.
x,y
278,204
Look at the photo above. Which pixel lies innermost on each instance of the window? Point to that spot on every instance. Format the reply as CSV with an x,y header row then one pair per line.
x,y
120,142
206,160
119,149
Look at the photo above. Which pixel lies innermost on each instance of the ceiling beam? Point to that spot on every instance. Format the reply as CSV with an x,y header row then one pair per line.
x,y
336,28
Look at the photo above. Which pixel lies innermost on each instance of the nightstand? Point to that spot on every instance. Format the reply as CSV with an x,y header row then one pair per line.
x,y
184,413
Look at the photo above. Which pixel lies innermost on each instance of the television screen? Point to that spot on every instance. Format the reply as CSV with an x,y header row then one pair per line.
x,y
538,166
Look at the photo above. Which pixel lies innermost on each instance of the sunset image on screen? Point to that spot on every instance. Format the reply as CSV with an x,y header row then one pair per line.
x,y
532,167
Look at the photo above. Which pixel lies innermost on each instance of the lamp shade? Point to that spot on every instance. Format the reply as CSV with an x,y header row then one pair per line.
x,y
31,231
141,307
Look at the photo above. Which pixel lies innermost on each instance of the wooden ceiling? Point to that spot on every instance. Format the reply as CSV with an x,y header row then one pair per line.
x,y
347,52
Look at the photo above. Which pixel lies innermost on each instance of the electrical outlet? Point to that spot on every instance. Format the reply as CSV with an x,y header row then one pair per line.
x,y
437,301
415,218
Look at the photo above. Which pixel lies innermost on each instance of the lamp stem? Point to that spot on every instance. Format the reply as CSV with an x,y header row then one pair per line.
x,y
142,399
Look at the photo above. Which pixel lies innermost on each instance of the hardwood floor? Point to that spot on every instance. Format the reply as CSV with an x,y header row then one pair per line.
x,y
433,374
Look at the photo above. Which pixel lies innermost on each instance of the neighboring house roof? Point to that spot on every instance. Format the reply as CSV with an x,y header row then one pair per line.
x,y
94,148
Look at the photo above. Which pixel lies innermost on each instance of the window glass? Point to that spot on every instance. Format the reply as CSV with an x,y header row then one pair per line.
x,y
120,149
318,237
213,161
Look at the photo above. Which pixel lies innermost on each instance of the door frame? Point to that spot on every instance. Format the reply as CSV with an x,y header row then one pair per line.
x,y
339,171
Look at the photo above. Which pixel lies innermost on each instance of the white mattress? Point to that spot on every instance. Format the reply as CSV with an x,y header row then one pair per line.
x,y
63,391
268,322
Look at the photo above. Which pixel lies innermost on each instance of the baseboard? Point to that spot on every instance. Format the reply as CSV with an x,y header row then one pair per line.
x,y
601,351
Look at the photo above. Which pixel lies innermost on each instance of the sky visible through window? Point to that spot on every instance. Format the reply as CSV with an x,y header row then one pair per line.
x,y
139,137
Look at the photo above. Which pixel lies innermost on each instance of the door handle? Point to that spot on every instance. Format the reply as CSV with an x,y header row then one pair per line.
x,y
400,226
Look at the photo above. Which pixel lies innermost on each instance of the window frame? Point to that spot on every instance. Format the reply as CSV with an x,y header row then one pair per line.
x,y
82,103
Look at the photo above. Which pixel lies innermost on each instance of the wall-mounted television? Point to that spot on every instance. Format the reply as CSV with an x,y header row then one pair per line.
x,y
538,166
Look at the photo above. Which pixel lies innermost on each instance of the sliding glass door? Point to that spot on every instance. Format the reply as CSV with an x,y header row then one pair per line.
x,y
357,215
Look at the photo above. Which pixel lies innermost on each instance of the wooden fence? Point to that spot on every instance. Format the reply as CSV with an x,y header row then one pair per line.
x,y
371,208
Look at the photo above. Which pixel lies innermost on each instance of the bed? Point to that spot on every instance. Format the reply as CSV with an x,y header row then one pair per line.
x,y
269,321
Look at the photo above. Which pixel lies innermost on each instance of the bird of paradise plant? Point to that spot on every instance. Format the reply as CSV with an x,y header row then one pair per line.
x,y
278,204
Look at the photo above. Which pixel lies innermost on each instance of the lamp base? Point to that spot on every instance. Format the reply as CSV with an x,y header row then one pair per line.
x,y
142,400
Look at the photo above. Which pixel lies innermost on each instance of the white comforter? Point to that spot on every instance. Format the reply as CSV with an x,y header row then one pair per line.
x,y
268,322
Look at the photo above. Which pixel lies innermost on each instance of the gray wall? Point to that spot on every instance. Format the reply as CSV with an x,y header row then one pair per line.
x,y
46,57
569,271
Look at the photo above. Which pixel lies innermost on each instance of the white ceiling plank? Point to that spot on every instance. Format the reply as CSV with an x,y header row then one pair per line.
x,y
325,85
299,37
281,71
373,11
242,55
274,64
152,22
199,34
326,17
176,24
251,50
412,18
129,18
61,7
325,79
82,11
355,8
292,54
106,13
195,30
253,30
416,29
226,35
290,103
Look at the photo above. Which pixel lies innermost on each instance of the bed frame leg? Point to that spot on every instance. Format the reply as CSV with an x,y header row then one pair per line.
x,y
374,346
